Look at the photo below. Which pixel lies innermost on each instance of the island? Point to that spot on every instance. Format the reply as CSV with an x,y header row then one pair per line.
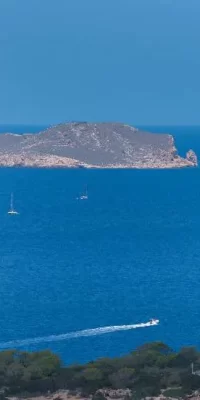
x,y
92,145
151,371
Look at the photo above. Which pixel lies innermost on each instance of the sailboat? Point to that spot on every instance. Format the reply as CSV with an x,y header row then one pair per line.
x,y
12,211
83,196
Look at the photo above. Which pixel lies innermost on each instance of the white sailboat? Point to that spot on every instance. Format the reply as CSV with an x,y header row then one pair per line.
x,y
12,211
84,196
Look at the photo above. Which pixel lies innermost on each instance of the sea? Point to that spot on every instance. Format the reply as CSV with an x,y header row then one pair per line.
x,y
131,252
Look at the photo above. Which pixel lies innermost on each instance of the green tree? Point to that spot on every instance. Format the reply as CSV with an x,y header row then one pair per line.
x,y
189,354
124,378
92,374
45,364
7,357
158,347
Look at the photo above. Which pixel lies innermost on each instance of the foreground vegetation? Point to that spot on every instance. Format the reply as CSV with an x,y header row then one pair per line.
x,y
147,371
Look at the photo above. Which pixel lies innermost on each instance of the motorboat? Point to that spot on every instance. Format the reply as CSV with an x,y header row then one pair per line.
x,y
154,321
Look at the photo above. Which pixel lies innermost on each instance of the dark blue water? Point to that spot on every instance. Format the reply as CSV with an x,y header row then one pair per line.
x,y
129,253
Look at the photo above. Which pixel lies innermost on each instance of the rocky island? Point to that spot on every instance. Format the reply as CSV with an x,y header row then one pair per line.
x,y
92,145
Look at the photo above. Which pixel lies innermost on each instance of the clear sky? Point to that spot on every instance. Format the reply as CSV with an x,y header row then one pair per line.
x,y
134,61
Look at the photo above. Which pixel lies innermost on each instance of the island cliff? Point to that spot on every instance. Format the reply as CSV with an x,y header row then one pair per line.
x,y
92,145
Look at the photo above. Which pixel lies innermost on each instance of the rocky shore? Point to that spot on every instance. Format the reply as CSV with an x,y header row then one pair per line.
x,y
86,145
51,161
107,394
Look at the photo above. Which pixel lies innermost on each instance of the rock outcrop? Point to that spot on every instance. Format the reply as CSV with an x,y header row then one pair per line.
x,y
191,157
88,145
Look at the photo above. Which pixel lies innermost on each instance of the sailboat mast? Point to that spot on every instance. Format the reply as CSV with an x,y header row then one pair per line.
x,y
11,201
12,211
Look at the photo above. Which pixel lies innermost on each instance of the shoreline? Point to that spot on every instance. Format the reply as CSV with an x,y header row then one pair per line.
x,y
54,162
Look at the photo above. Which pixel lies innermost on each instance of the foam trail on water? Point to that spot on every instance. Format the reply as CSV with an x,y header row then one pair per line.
x,y
71,335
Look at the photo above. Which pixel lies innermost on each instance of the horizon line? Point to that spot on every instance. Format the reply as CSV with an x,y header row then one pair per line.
x,y
72,121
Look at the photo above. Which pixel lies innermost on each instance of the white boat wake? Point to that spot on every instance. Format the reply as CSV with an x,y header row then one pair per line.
x,y
77,334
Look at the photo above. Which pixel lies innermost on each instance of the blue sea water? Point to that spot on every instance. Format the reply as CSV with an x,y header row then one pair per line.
x,y
20,129
129,253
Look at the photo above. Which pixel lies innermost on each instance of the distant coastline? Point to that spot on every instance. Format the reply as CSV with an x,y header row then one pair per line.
x,y
89,145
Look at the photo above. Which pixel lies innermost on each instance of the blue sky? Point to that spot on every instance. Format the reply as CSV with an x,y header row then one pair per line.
x,y
134,61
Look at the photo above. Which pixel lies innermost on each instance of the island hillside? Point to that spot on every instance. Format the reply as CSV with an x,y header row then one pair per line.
x,y
151,370
92,145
